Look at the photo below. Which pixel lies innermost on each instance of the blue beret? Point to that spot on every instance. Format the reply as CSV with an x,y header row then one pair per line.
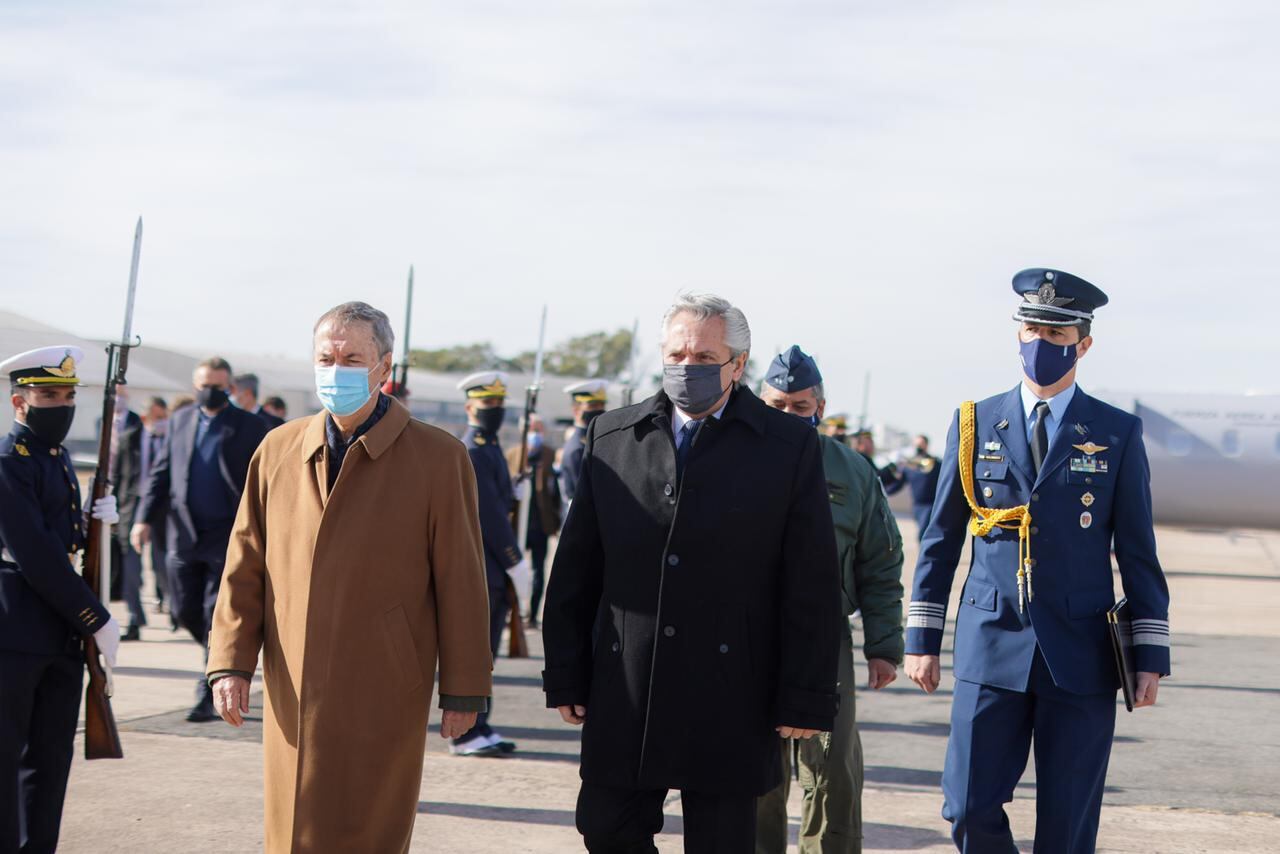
x,y
793,370
1055,298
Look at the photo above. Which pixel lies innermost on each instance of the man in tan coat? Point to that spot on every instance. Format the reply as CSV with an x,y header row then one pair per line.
x,y
355,563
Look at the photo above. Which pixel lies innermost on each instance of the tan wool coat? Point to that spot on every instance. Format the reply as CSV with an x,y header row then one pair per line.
x,y
352,597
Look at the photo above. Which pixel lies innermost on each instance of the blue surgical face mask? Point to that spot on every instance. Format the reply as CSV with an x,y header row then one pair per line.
x,y
535,442
1045,363
342,389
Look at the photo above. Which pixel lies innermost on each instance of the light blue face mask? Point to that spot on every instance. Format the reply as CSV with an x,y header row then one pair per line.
x,y
342,389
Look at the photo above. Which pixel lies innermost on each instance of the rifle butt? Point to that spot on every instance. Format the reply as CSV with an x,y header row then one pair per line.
x,y
101,736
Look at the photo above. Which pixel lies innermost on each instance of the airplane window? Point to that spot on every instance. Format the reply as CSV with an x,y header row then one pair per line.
x,y
1231,443
1179,443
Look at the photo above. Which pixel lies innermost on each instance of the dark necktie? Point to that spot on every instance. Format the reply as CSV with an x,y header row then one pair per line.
x,y
1040,436
687,433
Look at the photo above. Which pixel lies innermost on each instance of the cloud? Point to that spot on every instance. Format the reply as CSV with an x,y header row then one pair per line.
x,y
862,178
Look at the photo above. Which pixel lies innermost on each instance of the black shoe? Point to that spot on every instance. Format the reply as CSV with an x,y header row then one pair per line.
x,y
532,622
202,712
132,633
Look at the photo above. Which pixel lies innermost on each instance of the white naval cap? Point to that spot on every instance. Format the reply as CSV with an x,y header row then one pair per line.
x,y
589,391
44,366
485,384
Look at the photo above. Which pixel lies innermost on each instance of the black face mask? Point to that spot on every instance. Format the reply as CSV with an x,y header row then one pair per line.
x,y
490,420
589,415
212,397
51,424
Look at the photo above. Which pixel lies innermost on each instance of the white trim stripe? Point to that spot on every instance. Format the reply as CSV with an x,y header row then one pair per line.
x,y
919,622
1151,638
926,607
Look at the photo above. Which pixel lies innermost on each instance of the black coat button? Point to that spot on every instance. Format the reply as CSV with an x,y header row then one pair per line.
x,y
1034,529
669,631
1035,496
724,647
673,560
616,646
668,490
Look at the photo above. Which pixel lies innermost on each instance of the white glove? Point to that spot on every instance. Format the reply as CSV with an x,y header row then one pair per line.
x,y
108,639
104,510
522,578
522,489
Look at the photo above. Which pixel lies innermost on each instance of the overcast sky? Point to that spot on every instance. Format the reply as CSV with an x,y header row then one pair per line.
x,y
863,178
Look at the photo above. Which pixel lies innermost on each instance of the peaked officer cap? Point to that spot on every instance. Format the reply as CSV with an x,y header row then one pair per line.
x,y
1055,298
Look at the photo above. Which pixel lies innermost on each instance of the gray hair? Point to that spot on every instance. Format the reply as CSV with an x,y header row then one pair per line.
x,y
248,382
737,332
361,312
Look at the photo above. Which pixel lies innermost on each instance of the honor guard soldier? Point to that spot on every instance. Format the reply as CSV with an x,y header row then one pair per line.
x,y
870,551
45,606
589,400
1048,482
486,398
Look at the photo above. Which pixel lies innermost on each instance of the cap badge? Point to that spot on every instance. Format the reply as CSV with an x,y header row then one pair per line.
x,y
1047,295
66,369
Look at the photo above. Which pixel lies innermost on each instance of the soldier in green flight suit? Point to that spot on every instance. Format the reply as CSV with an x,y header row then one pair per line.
x,y
870,549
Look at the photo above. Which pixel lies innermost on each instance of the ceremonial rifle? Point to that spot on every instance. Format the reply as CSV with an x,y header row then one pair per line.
x,y
101,738
408,319
519,646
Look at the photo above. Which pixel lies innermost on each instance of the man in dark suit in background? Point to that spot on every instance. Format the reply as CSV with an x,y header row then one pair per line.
x,y
246,397
543,510
195,485
126,562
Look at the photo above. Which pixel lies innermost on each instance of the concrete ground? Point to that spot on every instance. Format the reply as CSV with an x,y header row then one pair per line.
x,y
1197,773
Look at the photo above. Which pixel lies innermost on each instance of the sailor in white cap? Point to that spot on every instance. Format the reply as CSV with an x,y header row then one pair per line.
x,y
46,609
589,400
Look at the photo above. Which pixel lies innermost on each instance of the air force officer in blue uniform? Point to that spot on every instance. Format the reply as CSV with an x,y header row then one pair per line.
x,y
1048,481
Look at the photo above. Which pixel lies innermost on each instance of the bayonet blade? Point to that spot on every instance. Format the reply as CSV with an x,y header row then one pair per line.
x,y
127,338
408,319
542,340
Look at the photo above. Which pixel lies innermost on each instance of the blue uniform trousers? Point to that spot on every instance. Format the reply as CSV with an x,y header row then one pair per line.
x,y
992,731
39,705
195,579
498,611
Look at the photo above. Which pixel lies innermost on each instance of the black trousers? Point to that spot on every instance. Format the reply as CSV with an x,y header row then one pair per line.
x,y
537,541
39,705
195,581
498,611
624,821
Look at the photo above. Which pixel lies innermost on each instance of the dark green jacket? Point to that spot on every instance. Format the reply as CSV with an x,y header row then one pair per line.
x,y
869,546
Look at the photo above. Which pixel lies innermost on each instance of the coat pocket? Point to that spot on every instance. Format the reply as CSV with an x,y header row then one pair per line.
x,y
395,628
979,594
1082,604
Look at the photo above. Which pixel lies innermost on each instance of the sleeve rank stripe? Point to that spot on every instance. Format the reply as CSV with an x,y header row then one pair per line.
x,y
918,622
1150,638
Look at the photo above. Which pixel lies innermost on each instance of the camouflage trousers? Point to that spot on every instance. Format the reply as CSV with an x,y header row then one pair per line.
x,y
830,773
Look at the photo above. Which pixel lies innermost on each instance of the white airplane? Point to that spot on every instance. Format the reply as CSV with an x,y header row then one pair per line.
x,y
1215,459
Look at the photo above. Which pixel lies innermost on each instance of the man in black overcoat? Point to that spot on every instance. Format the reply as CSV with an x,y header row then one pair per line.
x,y
692,613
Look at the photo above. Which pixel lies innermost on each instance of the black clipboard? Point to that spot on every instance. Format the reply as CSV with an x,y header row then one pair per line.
x,y
1121,630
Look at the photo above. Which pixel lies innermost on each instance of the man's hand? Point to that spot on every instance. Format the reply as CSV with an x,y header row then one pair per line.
x,y
924,670
575,715
139,536
1148,685
108,640
456,724
105,511
796,732
880,672
231,699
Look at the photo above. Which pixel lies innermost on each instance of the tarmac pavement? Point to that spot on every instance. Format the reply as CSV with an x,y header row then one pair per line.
x,y
1197,773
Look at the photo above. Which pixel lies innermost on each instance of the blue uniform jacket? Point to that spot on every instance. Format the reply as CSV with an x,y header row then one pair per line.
x,y
571,462
493,488
45,606
922,477
1072,576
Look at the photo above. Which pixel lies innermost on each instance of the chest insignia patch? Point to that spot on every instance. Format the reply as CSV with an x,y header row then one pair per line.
x,y
1087,499
1090,448
1086,519
22,450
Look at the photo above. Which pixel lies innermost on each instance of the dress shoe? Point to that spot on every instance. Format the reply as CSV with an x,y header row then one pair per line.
x,y
500,744
477,745
132,633
202,712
